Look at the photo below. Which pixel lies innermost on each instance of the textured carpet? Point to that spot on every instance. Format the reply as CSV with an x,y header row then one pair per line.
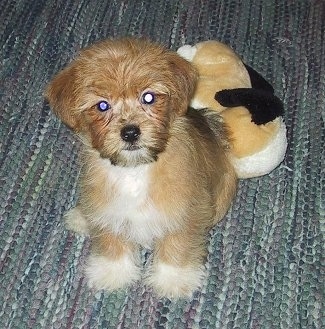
x,y
266,259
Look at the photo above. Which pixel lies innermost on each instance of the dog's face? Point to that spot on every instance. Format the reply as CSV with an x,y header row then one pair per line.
x,y
122,96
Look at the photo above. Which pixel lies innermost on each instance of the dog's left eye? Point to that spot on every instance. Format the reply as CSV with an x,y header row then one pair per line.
x,y
103,106
148,98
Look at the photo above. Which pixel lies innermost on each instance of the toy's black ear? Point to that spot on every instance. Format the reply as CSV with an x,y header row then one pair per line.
x,y
260,100
262,105
257,81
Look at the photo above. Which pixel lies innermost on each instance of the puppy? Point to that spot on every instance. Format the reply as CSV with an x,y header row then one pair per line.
x,y
154,174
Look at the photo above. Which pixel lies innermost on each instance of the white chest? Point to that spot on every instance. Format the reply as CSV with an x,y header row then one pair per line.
x,y
130,211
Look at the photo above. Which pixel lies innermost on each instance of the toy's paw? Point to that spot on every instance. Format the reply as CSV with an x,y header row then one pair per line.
x,y
262,105
76,222
187,52
175,282
104,273
264,161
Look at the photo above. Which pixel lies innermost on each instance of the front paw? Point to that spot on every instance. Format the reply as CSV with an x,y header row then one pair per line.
x,y
108,274
174,281
76,222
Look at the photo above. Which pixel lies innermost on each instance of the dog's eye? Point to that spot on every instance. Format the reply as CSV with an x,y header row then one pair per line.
x,y
103,106
148,98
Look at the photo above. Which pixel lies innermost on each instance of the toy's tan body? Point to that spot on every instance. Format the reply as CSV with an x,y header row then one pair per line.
x,y
256,149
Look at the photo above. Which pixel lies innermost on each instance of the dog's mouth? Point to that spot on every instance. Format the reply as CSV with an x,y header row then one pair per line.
x,y
131,155
132,147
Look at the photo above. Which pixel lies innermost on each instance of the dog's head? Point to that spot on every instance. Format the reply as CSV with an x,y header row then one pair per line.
x,y
122,95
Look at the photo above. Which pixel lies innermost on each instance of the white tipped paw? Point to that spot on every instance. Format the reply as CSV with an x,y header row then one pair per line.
x,y
103,273
175,282
76,222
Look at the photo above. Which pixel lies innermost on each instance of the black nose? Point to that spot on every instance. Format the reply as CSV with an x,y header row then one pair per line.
x,y
130,133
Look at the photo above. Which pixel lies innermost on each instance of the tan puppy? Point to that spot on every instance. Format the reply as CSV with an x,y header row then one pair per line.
x,y
154,174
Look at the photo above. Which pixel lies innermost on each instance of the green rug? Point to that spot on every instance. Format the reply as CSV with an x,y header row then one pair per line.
x,y
266,259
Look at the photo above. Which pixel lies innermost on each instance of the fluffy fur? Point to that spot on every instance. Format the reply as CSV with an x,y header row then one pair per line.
x,y
154,173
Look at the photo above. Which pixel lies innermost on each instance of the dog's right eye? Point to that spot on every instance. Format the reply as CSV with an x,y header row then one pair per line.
x,y
148,98
103,106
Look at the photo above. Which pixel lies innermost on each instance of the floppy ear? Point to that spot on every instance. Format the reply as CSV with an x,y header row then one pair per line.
x,y
185,78
61,95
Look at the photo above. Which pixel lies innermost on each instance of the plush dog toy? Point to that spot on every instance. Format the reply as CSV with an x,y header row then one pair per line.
x,y
245,101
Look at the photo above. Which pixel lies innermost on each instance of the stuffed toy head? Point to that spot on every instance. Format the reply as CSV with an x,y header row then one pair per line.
x,y
245,101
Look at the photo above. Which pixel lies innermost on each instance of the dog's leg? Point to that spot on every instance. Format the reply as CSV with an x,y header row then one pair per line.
x,y
178,269
113,263
76,222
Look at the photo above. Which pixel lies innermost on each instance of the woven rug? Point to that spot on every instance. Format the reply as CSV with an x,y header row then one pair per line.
x,y
266,258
